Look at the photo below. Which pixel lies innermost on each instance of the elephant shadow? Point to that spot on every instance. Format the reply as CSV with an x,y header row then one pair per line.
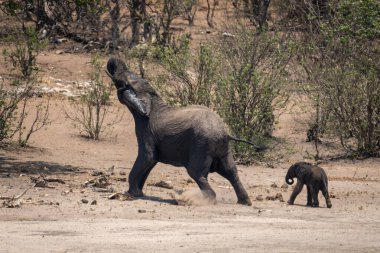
x,y
158,199
307,206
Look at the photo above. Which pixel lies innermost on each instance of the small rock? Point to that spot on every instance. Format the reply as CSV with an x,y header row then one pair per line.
x,y
163,184
94,202
141,211
260,198
122,173
120,196
99,182
60,40
41,184
66,192
59,52
84,201
278,196
285,186
226,34
96,173
190,181
274,185
97,189
111,170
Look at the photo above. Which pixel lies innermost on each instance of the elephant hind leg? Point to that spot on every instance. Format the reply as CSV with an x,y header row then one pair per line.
x,y
227,169
314,190
327,196
198,170
206,189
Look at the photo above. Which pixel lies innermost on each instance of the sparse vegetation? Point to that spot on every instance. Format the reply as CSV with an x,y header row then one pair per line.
x,y
91,108
17,95
240,74
343,76
251,87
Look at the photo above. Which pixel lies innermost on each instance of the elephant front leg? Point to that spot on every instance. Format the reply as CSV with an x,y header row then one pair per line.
x,y
296,191
138,175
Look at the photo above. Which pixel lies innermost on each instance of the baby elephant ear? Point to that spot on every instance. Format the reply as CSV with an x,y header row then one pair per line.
x,y
129,98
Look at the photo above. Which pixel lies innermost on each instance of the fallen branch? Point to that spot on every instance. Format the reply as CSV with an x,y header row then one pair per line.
x,y
10,201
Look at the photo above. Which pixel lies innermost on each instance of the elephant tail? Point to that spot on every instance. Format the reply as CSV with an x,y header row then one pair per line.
x,y
257,148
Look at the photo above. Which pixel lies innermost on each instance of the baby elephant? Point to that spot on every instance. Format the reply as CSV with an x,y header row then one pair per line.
x,y
315,179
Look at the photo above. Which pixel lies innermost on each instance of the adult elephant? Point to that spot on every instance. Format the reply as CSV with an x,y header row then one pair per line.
x,y
193,137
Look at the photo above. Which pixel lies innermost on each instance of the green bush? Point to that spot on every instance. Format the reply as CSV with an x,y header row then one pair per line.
x,y
92,107
251,85
240,78
342,63
15,96
195,76
23,56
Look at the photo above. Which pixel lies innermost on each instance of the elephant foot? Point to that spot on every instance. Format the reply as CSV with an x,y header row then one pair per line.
x,y
246,202
308,204
290,202
135,194
315,205
328,203
212,201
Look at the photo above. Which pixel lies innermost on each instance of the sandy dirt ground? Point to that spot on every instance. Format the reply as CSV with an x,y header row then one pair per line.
x,y
71,212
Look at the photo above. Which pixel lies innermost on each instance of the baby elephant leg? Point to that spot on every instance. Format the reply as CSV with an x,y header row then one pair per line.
x,y
314,194
309,197
296,191
327,197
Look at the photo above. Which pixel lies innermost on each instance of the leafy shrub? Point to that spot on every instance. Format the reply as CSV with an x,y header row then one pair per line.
x,y
194,80
239,78
342,65
251,85
23,56
92,107
15,97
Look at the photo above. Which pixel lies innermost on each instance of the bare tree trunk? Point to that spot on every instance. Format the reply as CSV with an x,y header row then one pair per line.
x,y
137,9
115,15
210,12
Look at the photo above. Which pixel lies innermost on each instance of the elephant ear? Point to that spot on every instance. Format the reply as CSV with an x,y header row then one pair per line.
x,y
141,104
302,168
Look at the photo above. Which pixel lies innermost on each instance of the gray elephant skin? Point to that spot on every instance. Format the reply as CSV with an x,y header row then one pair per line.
x,y
193,137
313,177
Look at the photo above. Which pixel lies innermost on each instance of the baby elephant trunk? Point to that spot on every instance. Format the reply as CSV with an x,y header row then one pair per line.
x,y
289,180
